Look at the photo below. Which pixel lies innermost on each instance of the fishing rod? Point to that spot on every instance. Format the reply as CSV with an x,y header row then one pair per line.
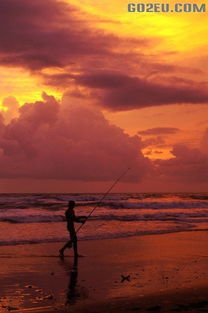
x,y
103,197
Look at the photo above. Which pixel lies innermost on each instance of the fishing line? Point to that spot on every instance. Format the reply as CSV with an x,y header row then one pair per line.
x,y
103,197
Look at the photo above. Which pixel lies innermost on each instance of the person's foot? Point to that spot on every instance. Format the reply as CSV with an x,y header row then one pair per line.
x,y
78,256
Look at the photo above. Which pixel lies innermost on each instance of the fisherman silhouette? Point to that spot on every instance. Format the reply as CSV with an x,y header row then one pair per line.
x,y
71,218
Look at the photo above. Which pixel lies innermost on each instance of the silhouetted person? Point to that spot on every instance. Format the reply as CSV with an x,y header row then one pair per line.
x,y
71,218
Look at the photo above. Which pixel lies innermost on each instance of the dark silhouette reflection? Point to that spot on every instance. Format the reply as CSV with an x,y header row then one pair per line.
x,y
74,291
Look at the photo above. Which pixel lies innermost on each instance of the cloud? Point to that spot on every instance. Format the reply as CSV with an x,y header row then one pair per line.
x,y
118,91
12,107
40,34
51,34
68,141
154,141
204,142
189,165
55,140
159,131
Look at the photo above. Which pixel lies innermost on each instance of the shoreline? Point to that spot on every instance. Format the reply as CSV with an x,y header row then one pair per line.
x,y
164,267
25,243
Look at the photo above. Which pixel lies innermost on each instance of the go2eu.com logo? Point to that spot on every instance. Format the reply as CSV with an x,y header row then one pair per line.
x,y
166,7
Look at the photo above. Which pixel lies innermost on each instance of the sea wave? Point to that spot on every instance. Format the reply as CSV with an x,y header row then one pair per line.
x,y
173,229
41,218
156,205
197,217
56,202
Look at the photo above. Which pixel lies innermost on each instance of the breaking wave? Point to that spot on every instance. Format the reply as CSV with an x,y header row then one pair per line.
x,y
40,217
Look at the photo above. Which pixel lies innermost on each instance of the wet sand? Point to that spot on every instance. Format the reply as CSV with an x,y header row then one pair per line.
x,y
155,273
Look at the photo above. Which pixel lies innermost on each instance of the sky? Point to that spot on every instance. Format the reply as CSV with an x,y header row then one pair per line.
x,y
88,90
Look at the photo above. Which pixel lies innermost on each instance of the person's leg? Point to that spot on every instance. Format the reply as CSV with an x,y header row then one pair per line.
x,y
75,248
67,245
74,243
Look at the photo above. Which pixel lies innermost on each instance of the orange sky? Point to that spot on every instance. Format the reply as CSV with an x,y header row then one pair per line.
x,y
145,73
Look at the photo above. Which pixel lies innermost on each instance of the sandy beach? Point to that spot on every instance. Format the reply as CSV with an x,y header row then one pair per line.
x,y
154,273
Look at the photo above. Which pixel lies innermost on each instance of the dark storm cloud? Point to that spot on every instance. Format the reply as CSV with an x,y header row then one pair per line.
x,y
42,34
119,92
38,34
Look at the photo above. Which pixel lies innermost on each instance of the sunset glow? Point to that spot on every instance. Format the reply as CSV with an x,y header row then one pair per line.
x,y
100,89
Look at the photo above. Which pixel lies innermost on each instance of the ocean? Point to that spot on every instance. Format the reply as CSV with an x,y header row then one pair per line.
x,y
39,218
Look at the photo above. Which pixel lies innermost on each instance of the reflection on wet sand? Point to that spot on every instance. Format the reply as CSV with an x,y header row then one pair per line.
x,y
166,271
74,291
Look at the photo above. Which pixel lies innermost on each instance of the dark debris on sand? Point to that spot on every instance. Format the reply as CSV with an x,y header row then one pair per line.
x,y
201,306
